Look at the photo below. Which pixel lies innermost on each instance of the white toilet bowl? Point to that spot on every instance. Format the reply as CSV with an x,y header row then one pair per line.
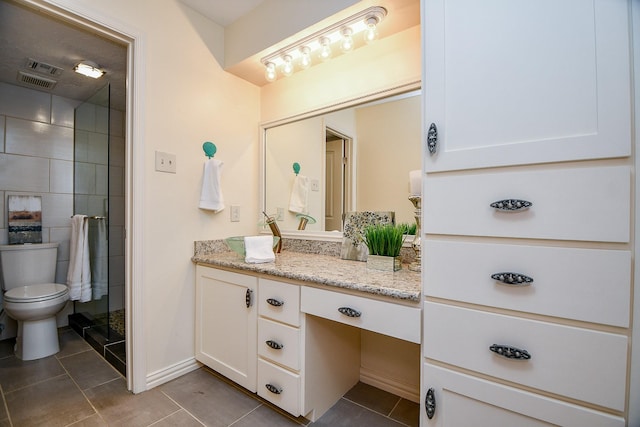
x,y
35,308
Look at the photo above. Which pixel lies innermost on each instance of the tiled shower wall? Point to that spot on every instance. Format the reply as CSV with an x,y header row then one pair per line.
x,y
36,158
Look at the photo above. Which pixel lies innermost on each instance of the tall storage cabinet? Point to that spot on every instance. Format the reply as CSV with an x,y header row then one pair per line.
x,y
527,213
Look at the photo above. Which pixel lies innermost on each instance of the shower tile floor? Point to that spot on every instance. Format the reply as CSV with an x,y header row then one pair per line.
x,y
77,387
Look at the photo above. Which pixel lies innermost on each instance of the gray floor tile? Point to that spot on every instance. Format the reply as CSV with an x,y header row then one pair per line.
x,y
119,407
208,398
266,417
51,403
348,414
71,343
407,412
88,369
93,421
373,398
16,373
178,419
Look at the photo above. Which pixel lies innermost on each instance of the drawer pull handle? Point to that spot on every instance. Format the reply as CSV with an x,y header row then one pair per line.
x,y
511,205
247,297
510,352
432,138
430,403
275,302
273,389
512,279
349,312
274,345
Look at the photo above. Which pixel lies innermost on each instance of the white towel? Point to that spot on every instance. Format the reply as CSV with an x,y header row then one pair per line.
x,y
79,273
259,249
298,202
98,257
211,195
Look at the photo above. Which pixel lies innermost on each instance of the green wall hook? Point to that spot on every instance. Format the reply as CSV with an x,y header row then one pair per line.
x,y
209,149
296,168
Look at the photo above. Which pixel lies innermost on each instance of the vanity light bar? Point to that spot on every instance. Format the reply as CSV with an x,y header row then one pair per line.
x,y
301,52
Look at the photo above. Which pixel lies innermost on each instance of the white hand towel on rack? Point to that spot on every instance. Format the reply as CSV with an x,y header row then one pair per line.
x,y
98,252
79,273
259,249
298,202
211,195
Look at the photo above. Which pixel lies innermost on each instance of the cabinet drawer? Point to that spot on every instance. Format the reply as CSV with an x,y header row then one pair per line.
x,y
279,386
562,357
279,301
280,335
387,318
589,204
567,282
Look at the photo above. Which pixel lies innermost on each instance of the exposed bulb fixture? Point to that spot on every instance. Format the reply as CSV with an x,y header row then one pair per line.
x,y
346,42
305,57
325,48
287,66
89,69
270,72
371,33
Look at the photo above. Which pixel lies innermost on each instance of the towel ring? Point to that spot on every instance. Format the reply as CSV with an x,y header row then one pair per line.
x,y
209,149
296,168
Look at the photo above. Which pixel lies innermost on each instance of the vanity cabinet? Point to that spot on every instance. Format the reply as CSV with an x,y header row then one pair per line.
x,y
527,249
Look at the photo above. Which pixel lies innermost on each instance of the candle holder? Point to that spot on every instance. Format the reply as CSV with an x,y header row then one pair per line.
x,y
416,265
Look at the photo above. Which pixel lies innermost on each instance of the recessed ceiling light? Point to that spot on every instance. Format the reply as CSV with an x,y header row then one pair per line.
x,y
89,69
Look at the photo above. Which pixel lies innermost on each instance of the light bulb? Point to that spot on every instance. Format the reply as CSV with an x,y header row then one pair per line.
x,y
270,73
371,32
346,43
287,66
305,57
325,48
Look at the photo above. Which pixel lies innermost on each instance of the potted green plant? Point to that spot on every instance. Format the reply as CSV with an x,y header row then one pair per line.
x,y
384,242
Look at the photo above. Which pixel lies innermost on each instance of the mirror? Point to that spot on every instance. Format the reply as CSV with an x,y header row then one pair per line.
x,y
353,159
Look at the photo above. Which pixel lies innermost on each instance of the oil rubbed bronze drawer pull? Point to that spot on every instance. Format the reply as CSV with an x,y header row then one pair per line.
x,y
511,205
430,403
273,389
510,352
349,312
512,279
274,345
248,298
274,302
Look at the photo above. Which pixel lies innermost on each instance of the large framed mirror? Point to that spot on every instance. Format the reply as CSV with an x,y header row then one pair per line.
x,y
355,156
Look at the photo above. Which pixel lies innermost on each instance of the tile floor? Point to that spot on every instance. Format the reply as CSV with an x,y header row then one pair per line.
x,y
77,387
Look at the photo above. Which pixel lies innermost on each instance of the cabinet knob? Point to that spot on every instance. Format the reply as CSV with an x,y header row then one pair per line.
x,y
430,403
510,352
432,138
512,279
273,389
275,302
349,312
511,205
274,345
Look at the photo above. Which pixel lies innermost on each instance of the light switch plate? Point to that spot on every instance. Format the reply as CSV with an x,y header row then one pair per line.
x,y
235,213
315,185
165,162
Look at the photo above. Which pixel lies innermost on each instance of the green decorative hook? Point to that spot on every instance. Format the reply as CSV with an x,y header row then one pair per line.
x,y
296,168
209,149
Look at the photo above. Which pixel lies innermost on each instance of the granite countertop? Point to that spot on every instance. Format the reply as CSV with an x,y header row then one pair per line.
x,y
326,270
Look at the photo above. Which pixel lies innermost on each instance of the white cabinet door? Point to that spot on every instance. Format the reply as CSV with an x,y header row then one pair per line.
x,y
520,82
463,400
226,324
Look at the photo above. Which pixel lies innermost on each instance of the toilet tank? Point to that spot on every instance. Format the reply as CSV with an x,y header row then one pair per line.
x,y
27,264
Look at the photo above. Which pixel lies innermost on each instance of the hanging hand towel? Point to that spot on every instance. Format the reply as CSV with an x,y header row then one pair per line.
x,y
79,273
98,258
259,249
211,196
298,202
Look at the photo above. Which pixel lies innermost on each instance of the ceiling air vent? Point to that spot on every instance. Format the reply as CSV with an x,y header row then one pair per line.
x,y
36,81
43,67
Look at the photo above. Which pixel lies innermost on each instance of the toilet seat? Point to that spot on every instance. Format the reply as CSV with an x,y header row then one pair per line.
x,y
35,293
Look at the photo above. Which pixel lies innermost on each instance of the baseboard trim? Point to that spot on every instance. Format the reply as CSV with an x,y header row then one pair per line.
x,y
169,373
391,385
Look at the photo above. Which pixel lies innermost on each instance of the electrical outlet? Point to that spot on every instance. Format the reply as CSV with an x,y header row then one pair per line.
x,y
165,162
235,213
315,185
280,215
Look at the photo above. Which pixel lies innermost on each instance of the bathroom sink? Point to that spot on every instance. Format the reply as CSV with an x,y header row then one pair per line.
x,y
236,244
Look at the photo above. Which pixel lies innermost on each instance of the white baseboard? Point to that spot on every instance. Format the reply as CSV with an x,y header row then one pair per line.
x,y
391,385
169,373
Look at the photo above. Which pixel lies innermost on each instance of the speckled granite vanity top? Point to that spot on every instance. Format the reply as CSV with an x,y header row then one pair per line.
x,y
322,267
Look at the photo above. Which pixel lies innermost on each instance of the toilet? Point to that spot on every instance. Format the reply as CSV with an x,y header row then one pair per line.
x,y
31,297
